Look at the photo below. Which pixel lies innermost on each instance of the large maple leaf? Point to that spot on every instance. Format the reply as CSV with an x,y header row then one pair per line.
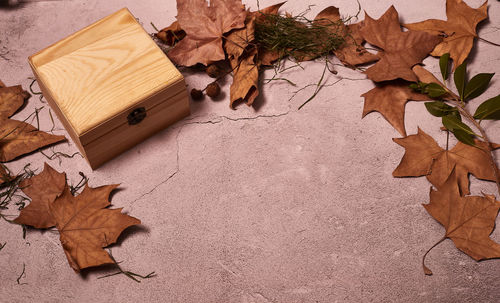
x,y
205,26
424,157
389,99
459,29
86,226
468,221
43,189
17,137
401,50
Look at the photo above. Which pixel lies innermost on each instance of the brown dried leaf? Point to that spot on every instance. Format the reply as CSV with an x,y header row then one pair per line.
x,y
401,50
468,221
43,189
18,138
460,29
390,99
205,26
11,99
171,34
245,84
424,157
86,226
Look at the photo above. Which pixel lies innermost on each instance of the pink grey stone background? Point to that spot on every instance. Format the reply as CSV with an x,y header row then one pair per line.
x,y
254,205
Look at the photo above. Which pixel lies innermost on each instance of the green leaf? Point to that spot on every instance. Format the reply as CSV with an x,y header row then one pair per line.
x,y
443,65
439,109
459,78
414,86
489,109
434,90
452,123
463,137
477,85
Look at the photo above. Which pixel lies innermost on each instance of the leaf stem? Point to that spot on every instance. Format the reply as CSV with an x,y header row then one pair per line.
x,y
489,42
427,271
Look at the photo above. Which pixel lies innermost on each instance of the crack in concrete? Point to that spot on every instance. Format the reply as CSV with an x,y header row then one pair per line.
x,y
216,120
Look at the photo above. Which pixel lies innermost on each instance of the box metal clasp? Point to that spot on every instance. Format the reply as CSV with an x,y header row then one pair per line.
x,y
136,116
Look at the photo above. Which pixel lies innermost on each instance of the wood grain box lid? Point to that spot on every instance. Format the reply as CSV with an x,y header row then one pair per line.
x,y
96,77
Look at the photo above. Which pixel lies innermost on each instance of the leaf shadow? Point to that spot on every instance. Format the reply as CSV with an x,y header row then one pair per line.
x,y
107,268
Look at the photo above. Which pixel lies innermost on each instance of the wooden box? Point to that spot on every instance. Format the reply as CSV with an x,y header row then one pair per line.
x,y
111,86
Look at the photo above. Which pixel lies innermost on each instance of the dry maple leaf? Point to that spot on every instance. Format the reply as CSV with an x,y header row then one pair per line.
x,y
468,221
171,34
389,99
351,52
17,137
43,189
205,26
424,157
86,226
459,29
401,50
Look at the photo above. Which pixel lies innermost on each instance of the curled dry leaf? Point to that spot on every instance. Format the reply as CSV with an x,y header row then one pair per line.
x,y
459,29
351,52
86,226
468,221
242,57
17,137
245,80
389,99
171,34
43,189
205,26
401,50
424,157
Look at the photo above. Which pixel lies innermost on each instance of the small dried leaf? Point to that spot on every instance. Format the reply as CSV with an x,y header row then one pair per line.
x,y
171,34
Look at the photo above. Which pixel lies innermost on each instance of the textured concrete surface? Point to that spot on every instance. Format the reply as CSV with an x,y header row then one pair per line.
x,y
265,204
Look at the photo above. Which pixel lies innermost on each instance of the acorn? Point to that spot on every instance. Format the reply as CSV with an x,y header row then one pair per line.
x,y
213,71
213,90
196,94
